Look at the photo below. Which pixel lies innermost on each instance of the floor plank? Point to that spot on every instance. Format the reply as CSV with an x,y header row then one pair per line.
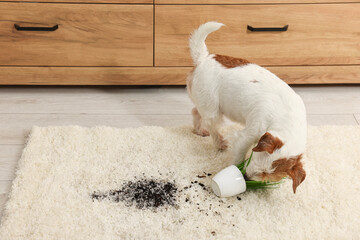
x,y
4,189
9,157
153,100
101,100
5,186
331,119
330,99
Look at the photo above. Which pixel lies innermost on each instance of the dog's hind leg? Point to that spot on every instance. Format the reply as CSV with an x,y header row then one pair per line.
x,y
212,125
198,124
207,114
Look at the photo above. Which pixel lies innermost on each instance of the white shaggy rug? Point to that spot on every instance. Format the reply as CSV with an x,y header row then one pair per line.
x,y
63,168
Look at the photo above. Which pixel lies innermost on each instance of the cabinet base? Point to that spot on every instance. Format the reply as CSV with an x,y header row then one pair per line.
x,y
162,75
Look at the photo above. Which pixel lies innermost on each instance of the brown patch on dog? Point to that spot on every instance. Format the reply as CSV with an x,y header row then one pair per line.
x,y
230,62
273,177
268,143
254,81
291,167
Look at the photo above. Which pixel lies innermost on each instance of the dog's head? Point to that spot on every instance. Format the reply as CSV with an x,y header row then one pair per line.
x,y
269,163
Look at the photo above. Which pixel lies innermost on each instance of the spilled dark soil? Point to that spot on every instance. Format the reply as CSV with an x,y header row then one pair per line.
x,y
152,193
143,193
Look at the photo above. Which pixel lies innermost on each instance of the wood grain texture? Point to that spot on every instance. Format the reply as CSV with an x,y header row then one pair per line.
x,y
318,74
88,35
90,1
95,100
92,76
318,34
249,1
331,119
330,99
151,100
161,75
9,156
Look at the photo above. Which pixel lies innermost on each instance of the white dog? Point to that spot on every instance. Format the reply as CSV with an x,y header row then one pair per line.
x,y
273,114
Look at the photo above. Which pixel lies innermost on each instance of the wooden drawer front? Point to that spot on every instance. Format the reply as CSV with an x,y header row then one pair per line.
x,y
87,35
91,1
318,34
246,1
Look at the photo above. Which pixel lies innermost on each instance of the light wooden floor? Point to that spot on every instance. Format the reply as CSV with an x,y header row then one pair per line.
x,y
23,107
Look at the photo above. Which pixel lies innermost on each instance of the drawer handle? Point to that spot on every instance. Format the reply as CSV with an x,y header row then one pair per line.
x,y
43,29
270,29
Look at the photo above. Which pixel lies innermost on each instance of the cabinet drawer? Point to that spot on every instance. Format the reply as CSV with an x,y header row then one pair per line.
x,y
90,1
87,35
318,34
246,1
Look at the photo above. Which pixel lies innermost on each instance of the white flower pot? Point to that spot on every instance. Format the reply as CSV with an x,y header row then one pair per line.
x,y
228,182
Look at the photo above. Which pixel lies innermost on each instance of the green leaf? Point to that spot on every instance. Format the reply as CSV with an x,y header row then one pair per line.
x,y
242,166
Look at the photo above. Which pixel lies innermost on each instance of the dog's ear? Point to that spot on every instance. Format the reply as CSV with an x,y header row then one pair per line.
x,y
268,143
291,167
298,174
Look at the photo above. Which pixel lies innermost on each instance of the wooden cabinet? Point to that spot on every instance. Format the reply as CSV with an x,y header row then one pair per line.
x,y
145,42
317,34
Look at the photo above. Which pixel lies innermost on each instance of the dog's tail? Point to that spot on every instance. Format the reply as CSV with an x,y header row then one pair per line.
x,y
197,39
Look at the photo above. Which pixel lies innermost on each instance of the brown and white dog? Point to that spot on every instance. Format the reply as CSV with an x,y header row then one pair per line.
x,y
273,114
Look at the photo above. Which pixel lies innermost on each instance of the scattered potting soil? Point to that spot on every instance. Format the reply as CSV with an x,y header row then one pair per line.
x,y
151,193
143,193
210,204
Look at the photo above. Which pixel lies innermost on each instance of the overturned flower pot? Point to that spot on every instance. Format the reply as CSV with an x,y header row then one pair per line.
x,y
230,181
